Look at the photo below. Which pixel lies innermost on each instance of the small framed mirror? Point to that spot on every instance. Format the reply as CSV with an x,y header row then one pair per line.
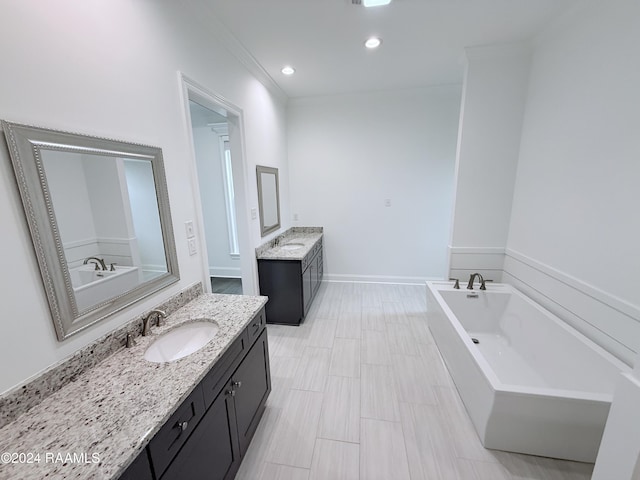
x,y
98,213
268,199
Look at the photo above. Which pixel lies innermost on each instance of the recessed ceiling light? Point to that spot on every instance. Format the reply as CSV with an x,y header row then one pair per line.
x,y
288,70
375,3
373,42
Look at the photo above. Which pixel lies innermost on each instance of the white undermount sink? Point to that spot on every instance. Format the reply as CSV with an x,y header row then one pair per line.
x,y
181,341
292,246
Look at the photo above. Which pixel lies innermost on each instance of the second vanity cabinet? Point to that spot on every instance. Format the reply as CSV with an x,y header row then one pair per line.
x,y
291,285
208,435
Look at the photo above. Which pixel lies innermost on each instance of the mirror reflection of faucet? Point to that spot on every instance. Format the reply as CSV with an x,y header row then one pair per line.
x,y
98,262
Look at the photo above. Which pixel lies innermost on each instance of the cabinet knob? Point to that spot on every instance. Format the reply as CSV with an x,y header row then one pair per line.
x,y
231,392
183,426
236,384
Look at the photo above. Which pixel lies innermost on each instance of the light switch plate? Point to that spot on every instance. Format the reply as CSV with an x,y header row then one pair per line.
x,y
192,246
188,226
254,214
387,202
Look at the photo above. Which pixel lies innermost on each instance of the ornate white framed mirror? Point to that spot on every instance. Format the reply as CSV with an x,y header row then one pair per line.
x,y
98,213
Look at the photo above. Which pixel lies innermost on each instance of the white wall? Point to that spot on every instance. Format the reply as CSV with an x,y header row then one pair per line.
x,y
349,153
109,68
211,178
145,217
74,213
493,101
574,231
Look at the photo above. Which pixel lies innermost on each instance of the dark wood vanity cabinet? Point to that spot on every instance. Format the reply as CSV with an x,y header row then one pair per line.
x,y
212,451
210,432
291,285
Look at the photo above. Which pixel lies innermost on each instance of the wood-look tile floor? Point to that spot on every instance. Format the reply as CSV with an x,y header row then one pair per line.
x,y
359,391
230,286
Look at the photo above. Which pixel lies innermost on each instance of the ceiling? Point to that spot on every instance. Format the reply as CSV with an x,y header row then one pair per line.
x,y
423,40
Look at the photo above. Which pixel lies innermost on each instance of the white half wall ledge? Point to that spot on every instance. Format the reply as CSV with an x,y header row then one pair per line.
x,y
488,261
609,321
619,452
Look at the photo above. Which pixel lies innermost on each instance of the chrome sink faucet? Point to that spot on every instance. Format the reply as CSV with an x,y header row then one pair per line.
x,y
146,321
472,278
99,262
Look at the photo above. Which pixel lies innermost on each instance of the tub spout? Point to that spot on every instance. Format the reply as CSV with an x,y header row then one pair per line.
x,y
472,278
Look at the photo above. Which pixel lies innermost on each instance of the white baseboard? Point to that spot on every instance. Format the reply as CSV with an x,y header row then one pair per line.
x,y
395,280
609,321
228,272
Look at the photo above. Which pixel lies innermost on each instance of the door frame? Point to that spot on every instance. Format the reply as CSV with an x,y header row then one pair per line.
x,y
191,90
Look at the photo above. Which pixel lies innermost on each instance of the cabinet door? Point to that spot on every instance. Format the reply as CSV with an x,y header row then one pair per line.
x,y
307,293
252,384
212,451
140,469
176,431
319,267
314,276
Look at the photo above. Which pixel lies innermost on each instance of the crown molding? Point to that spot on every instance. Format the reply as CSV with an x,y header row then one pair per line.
x,y
240,52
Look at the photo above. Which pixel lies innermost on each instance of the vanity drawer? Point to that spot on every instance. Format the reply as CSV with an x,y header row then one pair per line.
x,y
216,378
166,443
256,325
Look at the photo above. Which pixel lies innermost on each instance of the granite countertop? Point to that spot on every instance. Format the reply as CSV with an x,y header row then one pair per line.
x,y
95,426
274,250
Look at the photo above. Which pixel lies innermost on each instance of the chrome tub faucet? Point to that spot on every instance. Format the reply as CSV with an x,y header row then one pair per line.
x,y
472,278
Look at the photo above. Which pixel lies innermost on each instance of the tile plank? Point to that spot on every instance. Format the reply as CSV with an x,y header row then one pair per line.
x,y
312,370
340,418
382,451
335,461
345,358
378,393
294,435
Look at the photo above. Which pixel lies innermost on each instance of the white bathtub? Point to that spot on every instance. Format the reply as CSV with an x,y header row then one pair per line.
x,y
532,384
92,287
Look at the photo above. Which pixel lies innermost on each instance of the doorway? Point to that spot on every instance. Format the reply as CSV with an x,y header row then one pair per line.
x,y
219,191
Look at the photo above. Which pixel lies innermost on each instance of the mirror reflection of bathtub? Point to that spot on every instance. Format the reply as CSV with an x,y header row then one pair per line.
x,y
92,287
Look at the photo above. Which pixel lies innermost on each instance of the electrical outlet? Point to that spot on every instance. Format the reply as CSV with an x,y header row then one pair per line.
x,y
295,217
387,202
188,226
254,214
192,246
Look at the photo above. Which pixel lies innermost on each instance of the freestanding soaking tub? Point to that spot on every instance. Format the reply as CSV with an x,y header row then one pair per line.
x,y
530,383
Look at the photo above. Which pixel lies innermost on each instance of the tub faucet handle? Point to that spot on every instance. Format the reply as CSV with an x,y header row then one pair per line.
x,y
112,267
482,285
457,284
